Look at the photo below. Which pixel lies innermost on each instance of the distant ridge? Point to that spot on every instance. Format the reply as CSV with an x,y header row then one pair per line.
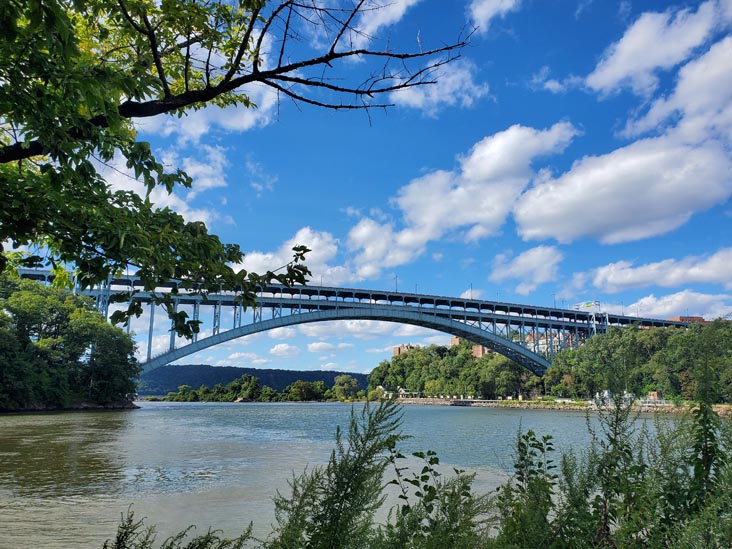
x,y
165,379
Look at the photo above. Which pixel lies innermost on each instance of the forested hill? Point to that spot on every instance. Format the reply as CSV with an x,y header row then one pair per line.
x,y
167,379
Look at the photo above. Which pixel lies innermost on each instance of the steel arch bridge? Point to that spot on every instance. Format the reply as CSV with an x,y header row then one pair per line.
x,y
527,334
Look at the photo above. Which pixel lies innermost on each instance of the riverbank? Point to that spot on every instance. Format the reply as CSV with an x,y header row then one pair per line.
x,y
79,407
724,410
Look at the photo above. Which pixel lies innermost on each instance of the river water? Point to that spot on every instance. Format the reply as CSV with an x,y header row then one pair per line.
x,y
66,478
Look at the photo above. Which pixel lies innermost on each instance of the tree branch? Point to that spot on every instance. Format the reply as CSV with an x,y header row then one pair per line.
x,y
287,74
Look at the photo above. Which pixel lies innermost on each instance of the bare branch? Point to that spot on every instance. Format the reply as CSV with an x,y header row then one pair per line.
x,y
156,56
289,78
346,25
244,44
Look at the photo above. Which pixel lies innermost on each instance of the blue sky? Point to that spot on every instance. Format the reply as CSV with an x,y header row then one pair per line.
x,y
579,150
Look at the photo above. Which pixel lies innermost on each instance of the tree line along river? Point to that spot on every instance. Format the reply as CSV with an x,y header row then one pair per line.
x,y
66,478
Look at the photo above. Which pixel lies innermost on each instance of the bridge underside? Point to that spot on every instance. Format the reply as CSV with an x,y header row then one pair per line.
x,y
530,360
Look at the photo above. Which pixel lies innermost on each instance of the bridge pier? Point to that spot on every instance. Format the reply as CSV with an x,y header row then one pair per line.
x,y
150,331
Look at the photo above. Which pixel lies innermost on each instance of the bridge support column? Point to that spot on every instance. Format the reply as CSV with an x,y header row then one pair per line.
x,y
237,315
217,318
103,299
150,331
172,331
196,314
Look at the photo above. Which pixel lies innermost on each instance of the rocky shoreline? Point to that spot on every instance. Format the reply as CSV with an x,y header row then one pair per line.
x,y
80,407
724,410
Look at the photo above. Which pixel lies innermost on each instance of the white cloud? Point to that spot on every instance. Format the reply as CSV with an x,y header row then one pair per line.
x,y
282,333
654,41
120,177
532,267
474,200
330,367
323,346
482,12
472,293
261,181
703,99
683,303
377,16
412,331
541,80
324,250
237,359
209,173
388,349
359,329
284,350
455,86
438,339
670,273
645,189
194,125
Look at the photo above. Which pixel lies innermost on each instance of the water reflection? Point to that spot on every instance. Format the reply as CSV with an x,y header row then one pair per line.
x,y
65,478
61,455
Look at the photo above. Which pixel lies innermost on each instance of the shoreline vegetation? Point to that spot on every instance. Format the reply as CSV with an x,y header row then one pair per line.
x,y
57,353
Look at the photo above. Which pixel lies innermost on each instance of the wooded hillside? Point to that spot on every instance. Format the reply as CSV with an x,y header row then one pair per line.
x,y
166,379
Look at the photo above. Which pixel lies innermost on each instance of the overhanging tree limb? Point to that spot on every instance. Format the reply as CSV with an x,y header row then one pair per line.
x,y
74,76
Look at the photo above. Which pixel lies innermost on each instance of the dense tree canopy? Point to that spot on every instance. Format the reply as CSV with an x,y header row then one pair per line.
x,y
671,361
74,75
249,388
56,351
438,370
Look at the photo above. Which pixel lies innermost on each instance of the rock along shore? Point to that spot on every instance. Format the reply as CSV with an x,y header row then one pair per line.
x,y
80,407
724,410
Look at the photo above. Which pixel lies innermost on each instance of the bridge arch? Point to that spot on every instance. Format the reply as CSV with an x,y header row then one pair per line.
x,y
523,356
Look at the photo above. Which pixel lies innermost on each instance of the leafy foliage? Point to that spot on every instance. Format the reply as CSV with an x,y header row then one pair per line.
x,y
248,388
74,75
57,351
630,489
675,362
436,370
165,379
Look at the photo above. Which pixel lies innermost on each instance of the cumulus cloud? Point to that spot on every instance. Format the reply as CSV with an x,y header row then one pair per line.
x,y
455,86
122,178
653,185
324,346
669,273
686,302
702,99
324,248
238,358
284,350
194,125
542,81
482,12
282,333
474,200
532,267
472,293
208,172
378,16
388,349
645,189
655,41
359,329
